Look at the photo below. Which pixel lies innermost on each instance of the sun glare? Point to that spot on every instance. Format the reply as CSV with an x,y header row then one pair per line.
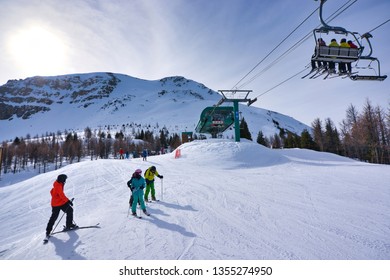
x,y
37,51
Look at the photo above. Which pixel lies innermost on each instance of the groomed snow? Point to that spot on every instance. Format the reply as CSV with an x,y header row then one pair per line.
x,y
221,200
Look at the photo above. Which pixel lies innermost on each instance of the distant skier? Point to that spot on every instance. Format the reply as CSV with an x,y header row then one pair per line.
x,y
59,202
144,154
137,189
121,152
149,178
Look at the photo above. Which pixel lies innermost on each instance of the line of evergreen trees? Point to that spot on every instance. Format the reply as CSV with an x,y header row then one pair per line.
x,y
363,135
69,147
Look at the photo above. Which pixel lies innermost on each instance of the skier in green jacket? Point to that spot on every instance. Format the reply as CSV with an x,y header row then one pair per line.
x,y
149,178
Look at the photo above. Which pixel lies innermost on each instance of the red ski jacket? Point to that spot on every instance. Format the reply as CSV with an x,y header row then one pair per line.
x,y
58,198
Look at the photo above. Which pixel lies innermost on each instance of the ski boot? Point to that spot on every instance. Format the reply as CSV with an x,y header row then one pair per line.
x,y
71,227
146,212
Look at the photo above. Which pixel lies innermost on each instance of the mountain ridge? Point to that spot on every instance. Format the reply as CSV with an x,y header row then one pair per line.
x,y
74,101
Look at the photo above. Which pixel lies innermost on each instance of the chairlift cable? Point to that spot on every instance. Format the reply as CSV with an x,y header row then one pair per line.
x,y
306,37
275,48
378,26
329,19
296,45
286,80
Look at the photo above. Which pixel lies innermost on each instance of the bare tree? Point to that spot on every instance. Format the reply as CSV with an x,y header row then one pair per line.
x,y
318,133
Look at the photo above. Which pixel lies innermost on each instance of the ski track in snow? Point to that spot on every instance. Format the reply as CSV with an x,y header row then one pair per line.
x,y
288,204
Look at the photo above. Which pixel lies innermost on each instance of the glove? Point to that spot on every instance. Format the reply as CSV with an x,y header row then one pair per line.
x,y
132,189
160,176
70,202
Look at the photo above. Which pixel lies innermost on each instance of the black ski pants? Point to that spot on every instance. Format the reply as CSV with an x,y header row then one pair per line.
x,y
67,208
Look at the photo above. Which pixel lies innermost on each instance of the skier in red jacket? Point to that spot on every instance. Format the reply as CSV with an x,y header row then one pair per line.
x,y
59,201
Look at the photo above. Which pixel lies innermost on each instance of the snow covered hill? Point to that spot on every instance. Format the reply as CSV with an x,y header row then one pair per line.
x,y
39,105
220,200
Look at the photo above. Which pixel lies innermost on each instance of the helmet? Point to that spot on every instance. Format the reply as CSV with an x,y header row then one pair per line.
x,y
62,178
153,168
138,171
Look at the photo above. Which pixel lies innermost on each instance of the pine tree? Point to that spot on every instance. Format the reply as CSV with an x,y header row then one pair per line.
x,y
244,130
276,142
261,139
332,142
307,141
292,140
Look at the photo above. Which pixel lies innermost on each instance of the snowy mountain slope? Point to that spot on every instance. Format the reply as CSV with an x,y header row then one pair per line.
x,y
48,104
220,200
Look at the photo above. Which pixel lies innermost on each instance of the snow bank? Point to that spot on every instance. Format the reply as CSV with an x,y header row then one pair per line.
x,y
220,201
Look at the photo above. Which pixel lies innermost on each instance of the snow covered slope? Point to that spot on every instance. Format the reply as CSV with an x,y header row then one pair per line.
x,y
221,200
39,105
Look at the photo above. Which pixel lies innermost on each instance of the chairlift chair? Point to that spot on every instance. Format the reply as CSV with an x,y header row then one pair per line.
x,y
345,55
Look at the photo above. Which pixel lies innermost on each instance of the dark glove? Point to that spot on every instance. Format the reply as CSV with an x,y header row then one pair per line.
x,y
160,176
70,202
132,189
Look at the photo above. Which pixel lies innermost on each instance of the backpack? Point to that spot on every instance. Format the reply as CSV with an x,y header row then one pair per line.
x,y
129,183
131,196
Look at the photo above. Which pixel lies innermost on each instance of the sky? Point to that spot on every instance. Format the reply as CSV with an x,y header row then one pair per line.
x,y
217,43
220,200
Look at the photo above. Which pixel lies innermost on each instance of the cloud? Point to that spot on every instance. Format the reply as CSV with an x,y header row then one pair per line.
x,y
213,42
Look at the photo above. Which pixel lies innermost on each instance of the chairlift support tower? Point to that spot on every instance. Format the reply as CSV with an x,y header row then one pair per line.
x,y
236,96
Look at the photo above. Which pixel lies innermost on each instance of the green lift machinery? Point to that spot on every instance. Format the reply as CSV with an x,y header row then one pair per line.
x,y
216,119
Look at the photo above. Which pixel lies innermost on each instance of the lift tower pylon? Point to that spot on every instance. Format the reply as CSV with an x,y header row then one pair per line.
x,y
236,96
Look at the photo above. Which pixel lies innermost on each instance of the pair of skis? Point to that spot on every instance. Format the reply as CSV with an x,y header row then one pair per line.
x,y
315,73
139,217
135,214
152,201
147,214
46,240
342,75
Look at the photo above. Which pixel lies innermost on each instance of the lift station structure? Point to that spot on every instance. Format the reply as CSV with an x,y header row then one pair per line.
x,y
217,119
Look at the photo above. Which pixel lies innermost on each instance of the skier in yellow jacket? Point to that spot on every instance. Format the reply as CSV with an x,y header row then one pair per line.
x,y
149,178
332,64
342,65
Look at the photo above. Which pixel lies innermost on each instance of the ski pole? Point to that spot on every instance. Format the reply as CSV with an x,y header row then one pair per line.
x,y
66,210
128,212
162,190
